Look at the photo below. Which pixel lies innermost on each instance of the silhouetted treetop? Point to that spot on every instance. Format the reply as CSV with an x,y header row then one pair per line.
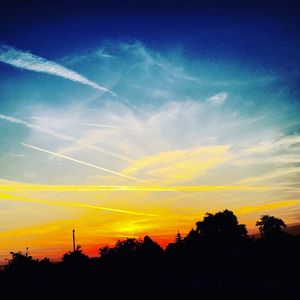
x,y
270,227
76,257
104,251
215,258
149,247
128,245
122,248
20,261
192,237
24,263
222,224
131,247
178,238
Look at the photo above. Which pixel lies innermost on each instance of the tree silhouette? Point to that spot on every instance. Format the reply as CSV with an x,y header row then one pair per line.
x,y
76,257
128,246
176,249
104,251
215,257
178,239
192,238
270,227
21,262
221,225
149,249
122,249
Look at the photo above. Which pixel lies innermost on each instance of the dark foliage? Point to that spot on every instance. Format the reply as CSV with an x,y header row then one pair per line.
x,y
221,226
21,262
217,258
75,258
270,227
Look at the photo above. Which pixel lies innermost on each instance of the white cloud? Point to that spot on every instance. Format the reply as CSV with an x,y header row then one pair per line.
x,y
29,61
146,131
275,144
273,174
218,99
59,135
161,115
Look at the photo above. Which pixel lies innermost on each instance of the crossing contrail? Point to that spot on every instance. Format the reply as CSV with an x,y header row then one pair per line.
x,y
178,189
61,136
81,162
28,61
65,203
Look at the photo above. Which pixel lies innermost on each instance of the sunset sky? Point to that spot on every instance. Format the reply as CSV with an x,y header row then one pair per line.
x,y
119,120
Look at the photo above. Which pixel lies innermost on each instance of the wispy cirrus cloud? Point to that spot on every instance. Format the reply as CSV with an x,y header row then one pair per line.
x,y
193,136
179,165
60,136
273,174
28,61
265,147
218,99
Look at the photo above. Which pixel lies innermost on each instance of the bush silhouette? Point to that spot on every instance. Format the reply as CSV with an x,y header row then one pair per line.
x,y
21,262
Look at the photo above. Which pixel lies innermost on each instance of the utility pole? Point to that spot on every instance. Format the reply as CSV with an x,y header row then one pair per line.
x,y
73,240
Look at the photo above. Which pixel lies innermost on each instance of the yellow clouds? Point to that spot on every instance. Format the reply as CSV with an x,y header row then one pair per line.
x,y
23,187
178,166
267,206
284,209
66,203
100,214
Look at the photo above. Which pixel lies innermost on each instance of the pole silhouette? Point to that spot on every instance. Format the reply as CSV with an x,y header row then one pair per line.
x,y
73,239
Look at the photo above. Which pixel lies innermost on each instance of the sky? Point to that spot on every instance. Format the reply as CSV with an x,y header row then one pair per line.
x,y
124,119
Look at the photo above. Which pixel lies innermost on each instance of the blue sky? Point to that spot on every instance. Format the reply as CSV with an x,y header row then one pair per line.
x,y
203,98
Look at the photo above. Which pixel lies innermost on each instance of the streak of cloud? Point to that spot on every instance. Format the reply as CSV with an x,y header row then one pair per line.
x,y
93,124
109,126
179,166
21,187
271,175
61,136
267,147
65,203
80,162
218,99
28,61
267,206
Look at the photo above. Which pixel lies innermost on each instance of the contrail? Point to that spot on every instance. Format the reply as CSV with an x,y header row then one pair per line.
x,y
109,126
65,203
178,189
61,136
100,188
29,61
80,162
94,124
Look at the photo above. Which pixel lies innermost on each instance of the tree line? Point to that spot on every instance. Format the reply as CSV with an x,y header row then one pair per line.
x,y
215,257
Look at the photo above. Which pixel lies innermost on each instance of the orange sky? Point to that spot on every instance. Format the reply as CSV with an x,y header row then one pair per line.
x,y
42,216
